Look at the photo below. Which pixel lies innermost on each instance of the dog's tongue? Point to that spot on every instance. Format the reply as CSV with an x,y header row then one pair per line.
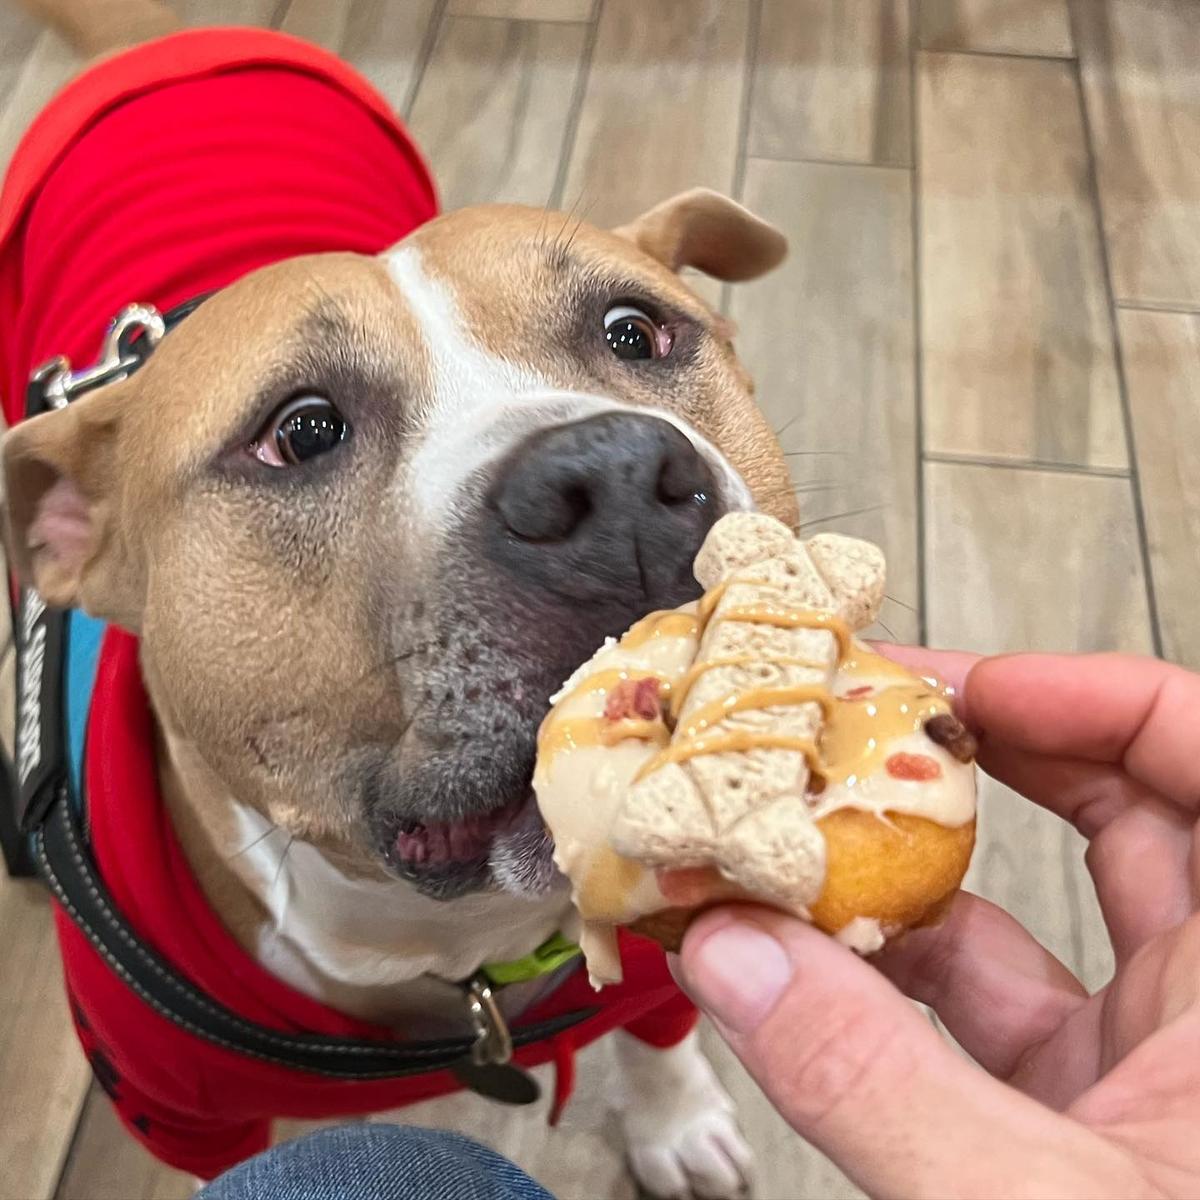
x,y
438,842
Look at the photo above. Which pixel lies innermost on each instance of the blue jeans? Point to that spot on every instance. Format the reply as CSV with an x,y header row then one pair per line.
x,y
377,1162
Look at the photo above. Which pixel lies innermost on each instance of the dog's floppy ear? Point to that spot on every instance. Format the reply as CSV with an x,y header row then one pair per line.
x,y
708,231
60,497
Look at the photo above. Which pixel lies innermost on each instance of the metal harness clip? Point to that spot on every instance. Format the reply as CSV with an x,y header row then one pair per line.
x,y
60,385
493,1043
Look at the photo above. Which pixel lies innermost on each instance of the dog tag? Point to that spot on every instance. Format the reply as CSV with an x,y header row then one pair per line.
x,y
499,1081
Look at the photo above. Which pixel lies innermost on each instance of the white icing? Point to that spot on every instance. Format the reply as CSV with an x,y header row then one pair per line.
x,y
581,790
863,935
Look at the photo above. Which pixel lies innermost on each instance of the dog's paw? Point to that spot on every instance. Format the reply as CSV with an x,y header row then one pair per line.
x,y
680,1131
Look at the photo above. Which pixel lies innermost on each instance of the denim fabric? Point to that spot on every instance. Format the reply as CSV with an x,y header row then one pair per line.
x,y
376,1162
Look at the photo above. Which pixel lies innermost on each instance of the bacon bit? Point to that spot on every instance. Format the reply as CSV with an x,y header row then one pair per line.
x,y
918,767
947,731
855,693
634,698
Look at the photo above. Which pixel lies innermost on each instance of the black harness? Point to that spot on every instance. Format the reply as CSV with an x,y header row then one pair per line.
x,y
50,835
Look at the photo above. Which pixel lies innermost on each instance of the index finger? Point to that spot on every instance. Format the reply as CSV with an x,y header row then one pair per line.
x,y
1123,710
1136,713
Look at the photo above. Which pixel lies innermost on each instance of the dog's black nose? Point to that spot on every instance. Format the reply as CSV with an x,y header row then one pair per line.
x,y
618,501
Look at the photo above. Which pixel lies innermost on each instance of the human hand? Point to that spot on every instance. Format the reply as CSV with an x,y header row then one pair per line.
x,y
1080,1096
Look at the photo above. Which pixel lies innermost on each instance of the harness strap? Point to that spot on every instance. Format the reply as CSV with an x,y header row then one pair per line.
x,y
66,865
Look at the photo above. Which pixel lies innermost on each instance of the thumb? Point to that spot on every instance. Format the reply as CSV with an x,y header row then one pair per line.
x,y
861,1073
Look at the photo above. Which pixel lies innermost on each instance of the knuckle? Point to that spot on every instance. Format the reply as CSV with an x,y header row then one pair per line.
x,y
840,1064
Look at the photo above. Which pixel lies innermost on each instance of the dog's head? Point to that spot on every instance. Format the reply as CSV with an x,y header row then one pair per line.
x,y
367,514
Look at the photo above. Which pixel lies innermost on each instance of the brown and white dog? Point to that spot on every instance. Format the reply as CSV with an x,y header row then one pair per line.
x,y
512,485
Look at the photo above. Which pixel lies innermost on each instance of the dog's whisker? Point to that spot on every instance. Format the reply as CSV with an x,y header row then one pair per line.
x,y
890,632
282,860
262,837
789,423
817,485
897,600
813,453
582,218
841,516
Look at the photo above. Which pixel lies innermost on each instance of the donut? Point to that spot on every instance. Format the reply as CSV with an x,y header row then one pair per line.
x,y
749,746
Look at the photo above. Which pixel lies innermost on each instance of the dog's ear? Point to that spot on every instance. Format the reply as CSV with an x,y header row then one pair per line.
x,y
708,231
60,500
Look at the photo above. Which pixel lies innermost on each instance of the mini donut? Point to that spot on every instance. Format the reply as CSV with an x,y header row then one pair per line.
x,y
749,747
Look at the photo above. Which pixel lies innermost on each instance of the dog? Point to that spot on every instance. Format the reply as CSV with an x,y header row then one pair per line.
x,y
346,530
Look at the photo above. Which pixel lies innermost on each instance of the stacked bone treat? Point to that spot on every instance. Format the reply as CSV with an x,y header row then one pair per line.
x,y
749,747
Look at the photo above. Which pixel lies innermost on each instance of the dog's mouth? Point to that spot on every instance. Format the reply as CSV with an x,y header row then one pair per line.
x,y
506,847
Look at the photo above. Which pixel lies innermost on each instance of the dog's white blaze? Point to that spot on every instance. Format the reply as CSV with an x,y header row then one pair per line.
x,y
482,405
464,375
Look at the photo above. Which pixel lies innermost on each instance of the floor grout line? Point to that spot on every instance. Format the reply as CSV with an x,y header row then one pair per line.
x,y
829,162
437,19
576,21
998,53
1026,464
918,345
1135,486
575,108
1151,306
72,1147
738,184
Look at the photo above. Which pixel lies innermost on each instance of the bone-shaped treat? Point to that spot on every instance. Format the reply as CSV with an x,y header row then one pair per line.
x,y
729,789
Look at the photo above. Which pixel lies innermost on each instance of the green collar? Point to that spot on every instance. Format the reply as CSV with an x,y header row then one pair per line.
x,y
549,956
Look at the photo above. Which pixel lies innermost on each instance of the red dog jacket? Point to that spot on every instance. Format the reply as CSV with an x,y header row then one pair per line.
x,y
165,172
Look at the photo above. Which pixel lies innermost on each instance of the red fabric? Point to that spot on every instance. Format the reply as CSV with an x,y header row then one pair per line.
x,y
196,1105
181,165
168,171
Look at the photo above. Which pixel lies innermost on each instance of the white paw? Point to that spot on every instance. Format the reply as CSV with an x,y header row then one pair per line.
x,y
679,1124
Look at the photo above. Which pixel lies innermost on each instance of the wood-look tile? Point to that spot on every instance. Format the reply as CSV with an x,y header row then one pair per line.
x,y
1036,27
828,338
832,81
210,13
1142,87
43,1075
1016,333
525,10
493,108
387,42
18,32
1162,371
49,64
1034,560
321,21
662,106
107,1164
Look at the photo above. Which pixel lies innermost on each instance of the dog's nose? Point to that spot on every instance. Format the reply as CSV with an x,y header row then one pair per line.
x,y
620,500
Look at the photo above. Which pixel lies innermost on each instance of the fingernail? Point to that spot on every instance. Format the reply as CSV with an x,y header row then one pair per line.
x,y
738,974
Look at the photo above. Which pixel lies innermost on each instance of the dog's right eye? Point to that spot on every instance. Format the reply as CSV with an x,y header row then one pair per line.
x,y
303,428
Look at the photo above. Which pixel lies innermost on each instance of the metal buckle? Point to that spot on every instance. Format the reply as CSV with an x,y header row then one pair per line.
x,y
493,1043
60,385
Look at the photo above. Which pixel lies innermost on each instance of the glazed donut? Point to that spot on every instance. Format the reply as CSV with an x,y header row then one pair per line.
x,y
748,746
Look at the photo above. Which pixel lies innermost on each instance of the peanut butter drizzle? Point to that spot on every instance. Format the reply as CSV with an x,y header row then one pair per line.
x,y
791,618
662,624
854,740
755,698
681,690
856,731
574,733
605,681
736,742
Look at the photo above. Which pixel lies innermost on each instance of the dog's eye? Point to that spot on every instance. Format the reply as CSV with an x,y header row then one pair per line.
x,y
632,335
300,430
